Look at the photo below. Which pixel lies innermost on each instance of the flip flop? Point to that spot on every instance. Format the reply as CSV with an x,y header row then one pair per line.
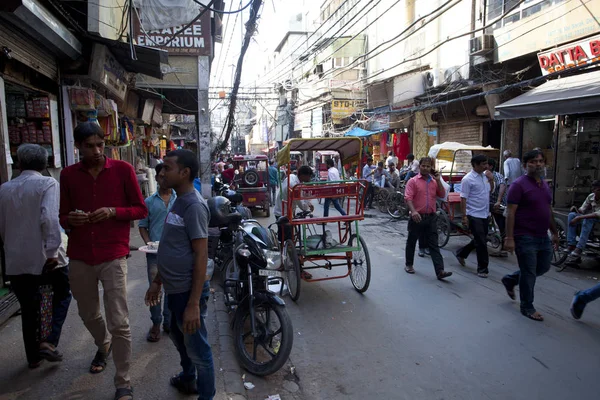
x,y
531,316
153,337
510,291
51,355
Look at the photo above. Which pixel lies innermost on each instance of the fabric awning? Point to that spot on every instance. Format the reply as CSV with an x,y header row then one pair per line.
x,y
359,132
571,95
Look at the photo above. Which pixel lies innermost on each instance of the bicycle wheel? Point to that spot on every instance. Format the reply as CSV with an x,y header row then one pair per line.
x,y
560,255
396,206
382,198
360,273
443,228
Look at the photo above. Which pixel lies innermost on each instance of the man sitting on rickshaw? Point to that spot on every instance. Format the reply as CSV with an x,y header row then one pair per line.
x,y
381,176
394,174
588,214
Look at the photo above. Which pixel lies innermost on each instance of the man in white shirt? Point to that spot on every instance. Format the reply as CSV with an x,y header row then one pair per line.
x,y
30,231
392,159
394,180
333,175
476,187
512,168
413,167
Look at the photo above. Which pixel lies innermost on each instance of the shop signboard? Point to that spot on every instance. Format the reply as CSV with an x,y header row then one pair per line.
x,y
341,109
572,55
106,70
380,122
195,40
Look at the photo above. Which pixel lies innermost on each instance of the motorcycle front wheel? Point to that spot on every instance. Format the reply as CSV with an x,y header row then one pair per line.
x,y
267,351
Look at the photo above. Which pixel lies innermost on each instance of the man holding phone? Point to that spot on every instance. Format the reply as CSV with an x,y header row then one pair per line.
x,y
99,197
421,194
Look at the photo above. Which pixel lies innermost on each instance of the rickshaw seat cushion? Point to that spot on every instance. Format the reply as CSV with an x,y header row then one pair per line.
x,y
453,197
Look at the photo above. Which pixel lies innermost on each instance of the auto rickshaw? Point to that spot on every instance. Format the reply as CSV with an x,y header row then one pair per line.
x,y
252,180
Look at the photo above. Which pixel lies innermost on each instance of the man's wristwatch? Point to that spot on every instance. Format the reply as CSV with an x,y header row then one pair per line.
x,y
113,212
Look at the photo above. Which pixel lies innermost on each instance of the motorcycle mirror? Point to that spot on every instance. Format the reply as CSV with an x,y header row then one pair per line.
x,y
236,172
244,253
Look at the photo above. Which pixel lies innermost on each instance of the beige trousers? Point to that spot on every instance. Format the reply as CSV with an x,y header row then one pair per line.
x,y
84,285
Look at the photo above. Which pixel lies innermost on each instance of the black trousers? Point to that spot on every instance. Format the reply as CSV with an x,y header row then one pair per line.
x,y
27,289
479,230
370,195
427,228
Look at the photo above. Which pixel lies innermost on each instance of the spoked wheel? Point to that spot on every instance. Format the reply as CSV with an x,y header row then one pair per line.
x,y
560,255
291,267
443,228
382,199
360,265
267,351
396,206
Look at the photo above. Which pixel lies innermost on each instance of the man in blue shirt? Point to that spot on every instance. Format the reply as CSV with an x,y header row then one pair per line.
x,y
151,228
273,180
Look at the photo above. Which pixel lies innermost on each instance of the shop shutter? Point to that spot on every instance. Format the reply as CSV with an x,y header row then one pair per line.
x,y
27,51
462,133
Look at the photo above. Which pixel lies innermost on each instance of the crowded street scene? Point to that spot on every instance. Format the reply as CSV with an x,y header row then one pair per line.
x,y
217,200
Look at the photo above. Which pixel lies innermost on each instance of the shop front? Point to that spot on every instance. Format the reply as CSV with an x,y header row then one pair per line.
x,y
562,118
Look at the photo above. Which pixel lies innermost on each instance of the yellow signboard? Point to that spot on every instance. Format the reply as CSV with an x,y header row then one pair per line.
x,y
341,109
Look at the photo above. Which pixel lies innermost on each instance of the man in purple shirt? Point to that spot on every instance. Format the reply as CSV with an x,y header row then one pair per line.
x,y
530,216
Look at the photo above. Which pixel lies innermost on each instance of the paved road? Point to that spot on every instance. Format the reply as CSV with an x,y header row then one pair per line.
x,y
414,337
408,336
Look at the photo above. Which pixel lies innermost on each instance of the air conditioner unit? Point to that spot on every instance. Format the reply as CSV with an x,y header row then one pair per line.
x,y
481,45
318,70
433,78
452,74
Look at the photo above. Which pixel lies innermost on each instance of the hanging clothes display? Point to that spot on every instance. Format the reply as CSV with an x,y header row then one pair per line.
x,y
401,146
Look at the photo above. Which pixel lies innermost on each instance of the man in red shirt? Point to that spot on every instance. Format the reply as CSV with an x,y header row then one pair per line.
x,y
421,194
98,199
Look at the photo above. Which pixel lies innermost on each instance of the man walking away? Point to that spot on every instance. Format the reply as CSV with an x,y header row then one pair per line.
x,y
420,194
582,298
475,208
530,216
30,231
368,173
333,175
587,215
99,197
273,180
182,268
498,201
512,168
151,228
413,167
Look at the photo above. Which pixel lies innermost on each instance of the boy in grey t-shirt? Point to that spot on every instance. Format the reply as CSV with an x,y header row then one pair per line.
x,y
182,268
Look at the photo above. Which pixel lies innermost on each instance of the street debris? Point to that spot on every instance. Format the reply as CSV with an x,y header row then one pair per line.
x,y
249,385
273,397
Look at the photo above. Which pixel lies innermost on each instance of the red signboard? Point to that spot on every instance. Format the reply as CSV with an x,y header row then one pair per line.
x,y
576,54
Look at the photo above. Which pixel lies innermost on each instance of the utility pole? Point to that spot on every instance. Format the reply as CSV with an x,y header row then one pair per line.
x,y
204,142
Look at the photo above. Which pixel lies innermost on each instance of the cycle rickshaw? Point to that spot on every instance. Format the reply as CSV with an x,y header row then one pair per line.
x,y
312,245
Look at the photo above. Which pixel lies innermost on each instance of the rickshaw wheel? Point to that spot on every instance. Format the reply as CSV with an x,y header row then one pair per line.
x,y
360,264
443,228
560,255
396,206
291,266
382,199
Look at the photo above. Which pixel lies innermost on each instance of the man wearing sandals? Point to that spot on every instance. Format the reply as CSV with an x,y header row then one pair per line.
x,y
421,194
530,216
30,231
99,198
183,269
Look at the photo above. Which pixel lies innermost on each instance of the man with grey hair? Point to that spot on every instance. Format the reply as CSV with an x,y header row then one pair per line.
x,y
512,168
30,231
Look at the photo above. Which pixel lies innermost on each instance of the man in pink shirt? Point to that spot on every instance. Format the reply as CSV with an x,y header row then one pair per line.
x,y
421,194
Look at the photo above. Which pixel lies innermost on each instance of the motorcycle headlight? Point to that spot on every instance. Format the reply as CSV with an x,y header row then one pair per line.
x,y
273,259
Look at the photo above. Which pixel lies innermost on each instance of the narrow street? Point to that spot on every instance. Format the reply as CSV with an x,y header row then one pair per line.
x,y
407,337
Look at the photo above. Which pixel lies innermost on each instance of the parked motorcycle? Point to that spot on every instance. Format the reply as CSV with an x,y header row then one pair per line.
x,y
236,199
262,329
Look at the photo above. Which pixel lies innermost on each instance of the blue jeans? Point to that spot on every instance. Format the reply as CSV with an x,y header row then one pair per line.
x,y
336,204
155,314
534,255
590,294
61,299
587,225
194,350
409,175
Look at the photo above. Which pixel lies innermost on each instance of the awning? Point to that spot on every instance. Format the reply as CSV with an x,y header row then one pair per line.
x,y
446,150
148,59
359,132
571,95
349,148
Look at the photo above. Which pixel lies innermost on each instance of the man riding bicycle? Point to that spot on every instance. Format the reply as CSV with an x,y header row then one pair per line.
x,y
587,215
